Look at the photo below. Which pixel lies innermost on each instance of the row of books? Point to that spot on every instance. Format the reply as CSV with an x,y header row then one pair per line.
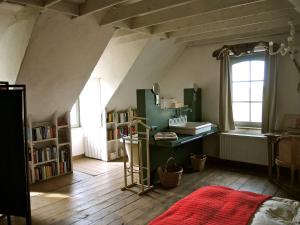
x,y
45,171
121,131
110,134
120,117
64,155
43,132
124,131
44,154
64,167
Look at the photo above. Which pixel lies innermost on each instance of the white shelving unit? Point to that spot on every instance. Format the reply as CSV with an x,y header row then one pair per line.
x,y
114,123
50,148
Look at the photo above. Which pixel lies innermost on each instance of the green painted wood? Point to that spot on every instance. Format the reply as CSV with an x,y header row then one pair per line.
x,y
156,116
193,100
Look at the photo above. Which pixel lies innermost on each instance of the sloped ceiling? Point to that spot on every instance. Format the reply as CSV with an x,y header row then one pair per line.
x,y
59,60
296,3
114,64
188,21
152,63
16,24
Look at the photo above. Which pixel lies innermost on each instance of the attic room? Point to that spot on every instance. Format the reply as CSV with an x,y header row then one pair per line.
x,y
150,112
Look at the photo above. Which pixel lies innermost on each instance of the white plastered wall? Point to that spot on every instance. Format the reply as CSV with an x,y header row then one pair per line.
x,y
117,60
16,24
59,60
152,64
196,65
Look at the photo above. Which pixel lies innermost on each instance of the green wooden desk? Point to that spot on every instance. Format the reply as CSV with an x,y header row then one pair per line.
x,y
181,149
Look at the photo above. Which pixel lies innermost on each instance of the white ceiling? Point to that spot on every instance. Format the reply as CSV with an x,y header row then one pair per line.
x,y
190,21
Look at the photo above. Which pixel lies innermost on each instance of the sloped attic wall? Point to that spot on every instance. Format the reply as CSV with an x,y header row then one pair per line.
x,y
117,59
59,60
152,64
16,24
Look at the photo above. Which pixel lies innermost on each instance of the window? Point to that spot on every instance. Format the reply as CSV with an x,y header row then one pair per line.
x,y
75,114
247,89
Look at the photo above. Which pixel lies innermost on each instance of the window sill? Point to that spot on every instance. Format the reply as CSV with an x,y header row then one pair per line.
x,y
242,131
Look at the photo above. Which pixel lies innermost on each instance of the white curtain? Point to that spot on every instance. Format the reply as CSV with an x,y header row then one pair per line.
x,y
91,119
226,122
269,94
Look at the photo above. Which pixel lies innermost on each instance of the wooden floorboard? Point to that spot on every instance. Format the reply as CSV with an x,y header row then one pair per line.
x,y
85,198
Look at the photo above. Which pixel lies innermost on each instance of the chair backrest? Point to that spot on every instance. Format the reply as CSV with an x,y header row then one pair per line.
x,y
289,149
291,123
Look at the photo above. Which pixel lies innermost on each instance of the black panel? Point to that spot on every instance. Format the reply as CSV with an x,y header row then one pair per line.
x,y
13,188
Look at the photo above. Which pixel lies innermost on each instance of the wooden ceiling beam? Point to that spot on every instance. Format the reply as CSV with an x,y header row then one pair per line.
x,y
65,8
145,31
252,28
223,14
143,7
194,8
240,37
49,3
34,3
93,6
285,14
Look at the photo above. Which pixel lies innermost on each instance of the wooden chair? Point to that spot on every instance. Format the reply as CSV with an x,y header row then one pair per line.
x,y
288,154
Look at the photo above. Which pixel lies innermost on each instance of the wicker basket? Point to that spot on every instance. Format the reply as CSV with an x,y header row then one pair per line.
x,y
198,162
170,174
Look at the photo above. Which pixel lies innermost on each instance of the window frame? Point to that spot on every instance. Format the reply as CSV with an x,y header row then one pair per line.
x,y
233,60
78,123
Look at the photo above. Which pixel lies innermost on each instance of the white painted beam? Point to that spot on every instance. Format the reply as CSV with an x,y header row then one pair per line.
x,y
143,7
92,6
259,27
34,3
221,15
240,37
285,14
143,30
48,3
65,8
197,7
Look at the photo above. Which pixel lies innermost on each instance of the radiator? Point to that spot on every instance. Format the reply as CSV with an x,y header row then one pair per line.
x,y
94,145
244,148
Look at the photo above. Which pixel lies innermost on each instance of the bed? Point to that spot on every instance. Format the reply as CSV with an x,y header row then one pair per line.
x,y
217,205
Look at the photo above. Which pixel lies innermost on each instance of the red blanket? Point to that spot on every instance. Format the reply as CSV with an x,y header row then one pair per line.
x,y
213,205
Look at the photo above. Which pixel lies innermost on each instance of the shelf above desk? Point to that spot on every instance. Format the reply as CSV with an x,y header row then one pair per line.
x,y
182,139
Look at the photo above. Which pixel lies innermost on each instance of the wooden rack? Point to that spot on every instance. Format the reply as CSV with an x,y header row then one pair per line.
x,y
143,181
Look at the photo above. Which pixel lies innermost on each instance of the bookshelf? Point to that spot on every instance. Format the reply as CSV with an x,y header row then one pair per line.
x,y
50,148
116,124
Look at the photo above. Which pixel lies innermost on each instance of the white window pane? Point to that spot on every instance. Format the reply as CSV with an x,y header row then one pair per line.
x,y
257,70
257,91
74,116
90,104
240,91
256,112
241,71
241,112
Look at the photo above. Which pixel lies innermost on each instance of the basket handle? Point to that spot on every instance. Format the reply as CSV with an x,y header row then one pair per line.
x,y
169,160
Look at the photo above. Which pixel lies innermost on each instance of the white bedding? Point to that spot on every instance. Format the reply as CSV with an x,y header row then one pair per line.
x,y
278,211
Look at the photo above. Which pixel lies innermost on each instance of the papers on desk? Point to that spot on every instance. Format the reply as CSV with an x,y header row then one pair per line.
x,y
170,136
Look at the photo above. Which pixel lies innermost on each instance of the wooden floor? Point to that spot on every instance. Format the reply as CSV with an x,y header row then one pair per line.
x,y
82,198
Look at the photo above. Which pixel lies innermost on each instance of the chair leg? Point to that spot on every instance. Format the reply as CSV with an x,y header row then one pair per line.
x,y
292,175
278,172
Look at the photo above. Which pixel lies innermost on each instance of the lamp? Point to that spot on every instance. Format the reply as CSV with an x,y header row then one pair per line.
x,y
283,49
